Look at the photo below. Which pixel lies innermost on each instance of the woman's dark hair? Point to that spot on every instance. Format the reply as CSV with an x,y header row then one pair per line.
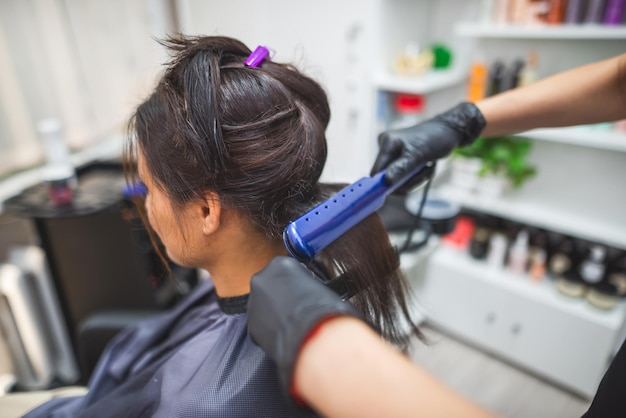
x,y
256,137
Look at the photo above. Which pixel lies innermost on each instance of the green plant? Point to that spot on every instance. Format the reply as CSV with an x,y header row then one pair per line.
x,y
501,156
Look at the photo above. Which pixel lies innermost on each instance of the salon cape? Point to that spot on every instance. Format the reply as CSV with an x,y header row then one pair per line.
x,y
193,361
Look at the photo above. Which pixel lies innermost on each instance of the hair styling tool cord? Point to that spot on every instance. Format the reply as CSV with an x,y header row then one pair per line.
x,y
305,237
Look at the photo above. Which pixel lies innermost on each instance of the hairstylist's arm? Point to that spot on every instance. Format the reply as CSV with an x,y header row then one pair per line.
x,y
346,370
343,368
588,94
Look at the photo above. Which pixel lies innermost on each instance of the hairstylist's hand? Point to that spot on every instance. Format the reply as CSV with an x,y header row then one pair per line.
x,y
404,149
286,303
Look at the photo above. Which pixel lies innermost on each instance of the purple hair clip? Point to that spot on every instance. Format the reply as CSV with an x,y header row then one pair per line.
x,y
257,57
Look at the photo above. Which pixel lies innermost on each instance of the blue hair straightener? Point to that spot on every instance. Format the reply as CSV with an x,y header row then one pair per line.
x,y
305,237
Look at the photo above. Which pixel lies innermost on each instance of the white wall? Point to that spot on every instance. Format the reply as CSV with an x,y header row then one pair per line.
x,y
328,40
85,62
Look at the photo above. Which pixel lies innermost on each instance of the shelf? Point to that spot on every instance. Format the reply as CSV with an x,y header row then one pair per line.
x,y
522,209
543,291
424,84
477,30
609,140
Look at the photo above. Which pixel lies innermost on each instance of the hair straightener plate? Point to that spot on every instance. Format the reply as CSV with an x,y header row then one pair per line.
x,y
305,237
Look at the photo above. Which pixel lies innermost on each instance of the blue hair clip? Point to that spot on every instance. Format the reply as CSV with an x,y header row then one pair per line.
x,y
257,57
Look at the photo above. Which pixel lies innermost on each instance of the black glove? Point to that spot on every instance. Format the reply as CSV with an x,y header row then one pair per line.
x,y
286,302
403,150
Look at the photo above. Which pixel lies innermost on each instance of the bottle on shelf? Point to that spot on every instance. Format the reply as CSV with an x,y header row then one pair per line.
x,y
593,266
614,13
501,11
497,250
442,56
539,11
497,74
595,11
513,74
462,234
616,274
414,60
556,12
510,229
58,174
531,12
537,269
538,254
408,110
529,72
477,82
574,11
518,254
603,296
479,245
562,267
518,11
608,292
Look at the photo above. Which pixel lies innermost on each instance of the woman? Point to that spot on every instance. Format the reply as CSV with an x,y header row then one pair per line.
x,y
229,154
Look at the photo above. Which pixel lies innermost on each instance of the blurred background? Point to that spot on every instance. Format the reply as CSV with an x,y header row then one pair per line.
x,y
72,71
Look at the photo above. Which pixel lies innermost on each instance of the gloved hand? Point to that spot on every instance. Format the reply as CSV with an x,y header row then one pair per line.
x,y
286,303
404,149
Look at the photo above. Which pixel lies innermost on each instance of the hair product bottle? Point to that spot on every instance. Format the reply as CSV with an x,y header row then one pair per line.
x,y
574,11
501,12
479,244
595,11
556,12
537,255
408,109
562,267
561,261
617,274
519,11
513,74
539,11
593,267
614,14
607,293
518,254
477,82
59,173
529,72
497,250
497,74
538,265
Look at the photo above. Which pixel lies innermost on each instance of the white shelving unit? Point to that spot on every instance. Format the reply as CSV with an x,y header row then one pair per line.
x,y
477,30
528,323
609,140
537,213
423,84
542,291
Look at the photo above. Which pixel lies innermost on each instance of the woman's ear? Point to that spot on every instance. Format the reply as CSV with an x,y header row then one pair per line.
x,y
211,213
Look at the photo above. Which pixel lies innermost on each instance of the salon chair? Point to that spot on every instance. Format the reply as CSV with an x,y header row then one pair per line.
x,y
103,267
